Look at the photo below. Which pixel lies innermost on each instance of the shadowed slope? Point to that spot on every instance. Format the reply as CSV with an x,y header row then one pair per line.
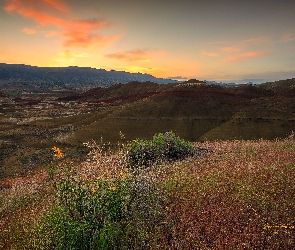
x,y
190,111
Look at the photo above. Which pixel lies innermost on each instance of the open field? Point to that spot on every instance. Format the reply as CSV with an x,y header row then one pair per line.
x,y
236,192
232,195
30,123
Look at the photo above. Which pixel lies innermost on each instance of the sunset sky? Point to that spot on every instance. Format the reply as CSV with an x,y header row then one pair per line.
x,y
223,40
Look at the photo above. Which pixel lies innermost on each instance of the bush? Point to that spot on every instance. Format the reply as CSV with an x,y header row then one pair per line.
x,y
162,148
86,216
119,213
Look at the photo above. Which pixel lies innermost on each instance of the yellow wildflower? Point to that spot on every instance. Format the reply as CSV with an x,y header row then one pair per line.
x,y
57,152
113,188
93,191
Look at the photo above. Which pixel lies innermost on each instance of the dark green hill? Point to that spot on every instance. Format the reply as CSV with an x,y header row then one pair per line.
x,y
196,113
267,118
120,93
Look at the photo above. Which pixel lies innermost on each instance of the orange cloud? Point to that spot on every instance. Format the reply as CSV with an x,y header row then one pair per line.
x,y
54,13
252,40
256,40
133,55
69,57
29,31
210,54
288,37
58,4
145,70
231,49
245,56
30,7
70,54
241,50
52,33
241,45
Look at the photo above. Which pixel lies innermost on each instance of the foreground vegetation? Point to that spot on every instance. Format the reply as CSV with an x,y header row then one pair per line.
x,y
223,195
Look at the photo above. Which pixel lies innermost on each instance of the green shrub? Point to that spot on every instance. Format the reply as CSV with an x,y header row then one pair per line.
x,y
121,213
86,215
162,148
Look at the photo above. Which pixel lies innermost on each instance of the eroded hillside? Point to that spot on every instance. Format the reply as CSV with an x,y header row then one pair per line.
x,y
30,123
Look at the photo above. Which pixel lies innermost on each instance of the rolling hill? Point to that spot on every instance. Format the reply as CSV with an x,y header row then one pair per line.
x,y
193,112
30,124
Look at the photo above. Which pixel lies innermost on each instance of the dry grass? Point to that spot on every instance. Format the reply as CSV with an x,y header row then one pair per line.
x,y
239,197
236,195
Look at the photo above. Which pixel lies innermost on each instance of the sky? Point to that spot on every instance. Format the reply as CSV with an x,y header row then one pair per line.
x,y
222,40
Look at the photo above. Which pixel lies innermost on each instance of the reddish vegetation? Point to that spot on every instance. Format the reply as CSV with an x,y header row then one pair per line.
x,y
248,185
29,181
238,195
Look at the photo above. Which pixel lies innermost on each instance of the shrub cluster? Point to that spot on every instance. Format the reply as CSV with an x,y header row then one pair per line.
x,y
163,147
105,214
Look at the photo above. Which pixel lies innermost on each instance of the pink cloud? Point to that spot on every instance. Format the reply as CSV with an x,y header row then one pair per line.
x,y
29,31
52,33
55,13
240,43
288,37
58,4
132,55
231,49
245,56
256,40
209,54
242,50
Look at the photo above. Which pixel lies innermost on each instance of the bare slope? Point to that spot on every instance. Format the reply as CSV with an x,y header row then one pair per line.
x,y
190,111
270,115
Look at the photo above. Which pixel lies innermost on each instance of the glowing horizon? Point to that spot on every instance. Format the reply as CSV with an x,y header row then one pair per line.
x,y
221,40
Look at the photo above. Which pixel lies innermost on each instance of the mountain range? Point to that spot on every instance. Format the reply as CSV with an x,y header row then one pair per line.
x,y
38,79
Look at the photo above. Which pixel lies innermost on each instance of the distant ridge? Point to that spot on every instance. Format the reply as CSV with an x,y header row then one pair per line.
x,y
279,85
72,77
